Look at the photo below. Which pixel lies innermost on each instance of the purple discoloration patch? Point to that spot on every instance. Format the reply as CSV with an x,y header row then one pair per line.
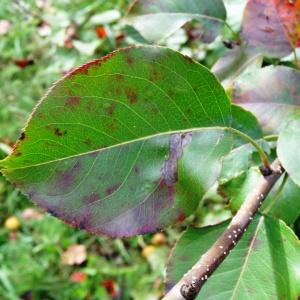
x,y
177,142
91,198
66,179
110,190
254,242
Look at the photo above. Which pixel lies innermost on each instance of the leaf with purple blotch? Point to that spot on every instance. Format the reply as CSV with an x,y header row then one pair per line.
x,y
272,26
126,144
272,94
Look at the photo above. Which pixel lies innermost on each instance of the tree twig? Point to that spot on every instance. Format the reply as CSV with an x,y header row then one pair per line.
x,y
191,283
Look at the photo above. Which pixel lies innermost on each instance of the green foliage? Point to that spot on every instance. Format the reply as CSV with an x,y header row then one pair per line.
x,y
156,21
257,259
144,138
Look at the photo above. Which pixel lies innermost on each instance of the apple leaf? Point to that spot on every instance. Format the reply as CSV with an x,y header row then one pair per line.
x,y
272,94
156,20
272,26
127,144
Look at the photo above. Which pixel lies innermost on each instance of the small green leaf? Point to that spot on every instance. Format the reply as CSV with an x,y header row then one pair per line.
x,y
264,265
278,203
288,149
272,94
158,20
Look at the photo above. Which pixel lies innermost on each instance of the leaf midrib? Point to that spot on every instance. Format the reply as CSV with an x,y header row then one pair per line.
x,y
117,145
251,246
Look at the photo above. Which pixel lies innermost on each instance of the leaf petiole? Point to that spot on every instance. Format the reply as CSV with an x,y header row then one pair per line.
x,y
263,156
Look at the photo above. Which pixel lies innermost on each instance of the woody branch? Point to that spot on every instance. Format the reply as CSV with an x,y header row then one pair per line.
x,y
191,283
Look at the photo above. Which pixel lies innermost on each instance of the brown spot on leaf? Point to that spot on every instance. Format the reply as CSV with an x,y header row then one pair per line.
x,y
58,132
254,242
268,29
171,93
91,198
181,217
84,68
22,137
73,100
155,75
112,189
88,142
110,109
189,59
111,126
119,76
41,115
131,95
129,59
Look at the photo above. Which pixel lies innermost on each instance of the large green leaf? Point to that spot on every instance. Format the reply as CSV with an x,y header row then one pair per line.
x,y
263,266
288,149
272,26
272,94
126,144
156,20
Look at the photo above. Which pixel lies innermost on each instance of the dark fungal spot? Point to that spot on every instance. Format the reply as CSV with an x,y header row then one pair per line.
x,y
91,198
22,137
52,212
110,109
119,76
83,70
131,95
58,132
88,142
136,170
41,115
189,59
112,126
112,189
129,59
66,179
181,217
73,100
155,75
